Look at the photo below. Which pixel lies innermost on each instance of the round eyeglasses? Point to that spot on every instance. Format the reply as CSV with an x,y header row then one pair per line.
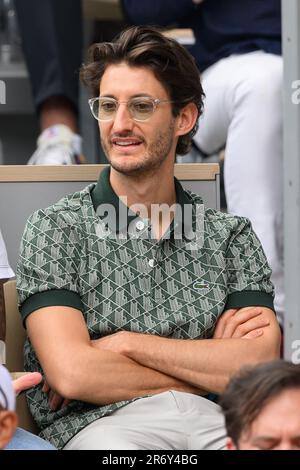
x,y
140,108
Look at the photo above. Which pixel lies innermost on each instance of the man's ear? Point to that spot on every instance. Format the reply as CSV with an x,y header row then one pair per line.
x,y
230,444
8,425
186,119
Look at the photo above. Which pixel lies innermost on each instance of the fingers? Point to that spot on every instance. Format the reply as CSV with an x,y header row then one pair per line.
x,y
253,324
46,387
55,400
221,323
34,378
254,334
27,381
240,323
65,402
237,323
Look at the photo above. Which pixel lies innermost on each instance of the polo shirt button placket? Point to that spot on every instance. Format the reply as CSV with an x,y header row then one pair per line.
x,y
140,225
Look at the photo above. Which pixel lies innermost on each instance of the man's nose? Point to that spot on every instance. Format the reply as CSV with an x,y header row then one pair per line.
x,y
285,445
122,120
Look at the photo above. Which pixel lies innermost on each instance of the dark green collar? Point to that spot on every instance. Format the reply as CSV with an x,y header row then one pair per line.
x,y
103,194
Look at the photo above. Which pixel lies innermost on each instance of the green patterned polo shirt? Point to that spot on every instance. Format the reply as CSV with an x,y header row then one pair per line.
x,y
176,287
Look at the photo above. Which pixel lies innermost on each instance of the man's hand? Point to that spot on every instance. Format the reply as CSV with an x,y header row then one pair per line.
x,y
26,381
245,322
54,399
34,378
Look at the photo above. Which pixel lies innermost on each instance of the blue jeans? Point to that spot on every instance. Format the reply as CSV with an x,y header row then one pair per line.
x,y
24,440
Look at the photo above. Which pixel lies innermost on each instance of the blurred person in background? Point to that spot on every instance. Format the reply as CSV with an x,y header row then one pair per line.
x,y
52,36
12,437
24,440
19,438
261,406
8,417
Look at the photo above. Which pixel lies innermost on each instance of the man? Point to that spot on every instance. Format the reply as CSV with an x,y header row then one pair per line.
x,y
21,438
11,437
24,440
262,408
8,417
121,308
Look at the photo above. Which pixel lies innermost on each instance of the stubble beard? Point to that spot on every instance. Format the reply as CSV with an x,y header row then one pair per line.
x,y
157,152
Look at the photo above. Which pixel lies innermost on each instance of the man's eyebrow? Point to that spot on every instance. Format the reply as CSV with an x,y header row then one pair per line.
x,y
141,95
265,439
107,96
137,95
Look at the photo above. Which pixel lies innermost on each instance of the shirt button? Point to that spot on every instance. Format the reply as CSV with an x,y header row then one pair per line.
x,y
151,263
140,225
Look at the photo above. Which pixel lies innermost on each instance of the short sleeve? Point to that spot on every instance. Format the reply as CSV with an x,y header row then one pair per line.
x,y
248,271
48,266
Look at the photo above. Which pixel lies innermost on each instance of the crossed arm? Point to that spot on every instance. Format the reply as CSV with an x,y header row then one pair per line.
x,y
126,365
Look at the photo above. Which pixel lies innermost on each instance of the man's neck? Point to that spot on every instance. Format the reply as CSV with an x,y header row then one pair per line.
x,y
155,188
147,191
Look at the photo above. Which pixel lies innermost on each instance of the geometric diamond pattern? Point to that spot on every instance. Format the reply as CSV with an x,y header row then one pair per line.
x,y
142,285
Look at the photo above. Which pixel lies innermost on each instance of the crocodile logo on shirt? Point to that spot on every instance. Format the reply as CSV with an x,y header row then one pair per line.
x,y
200,285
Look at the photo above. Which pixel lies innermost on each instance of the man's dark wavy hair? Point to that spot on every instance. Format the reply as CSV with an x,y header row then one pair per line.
x,y
171,63
251,389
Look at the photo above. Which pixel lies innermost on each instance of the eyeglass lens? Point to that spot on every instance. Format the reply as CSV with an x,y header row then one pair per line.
x,y
139,108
